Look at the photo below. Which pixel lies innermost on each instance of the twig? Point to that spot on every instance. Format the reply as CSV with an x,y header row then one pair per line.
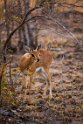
x,y
10,75
60,24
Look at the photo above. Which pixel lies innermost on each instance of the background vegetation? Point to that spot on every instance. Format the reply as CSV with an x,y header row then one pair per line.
x,y
58,26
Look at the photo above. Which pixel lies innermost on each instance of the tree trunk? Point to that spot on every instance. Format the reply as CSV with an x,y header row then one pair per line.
x,y
20,42
27,26
31,26
6,20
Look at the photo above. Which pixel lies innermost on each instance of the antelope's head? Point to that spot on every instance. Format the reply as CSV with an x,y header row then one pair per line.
x,y
28,59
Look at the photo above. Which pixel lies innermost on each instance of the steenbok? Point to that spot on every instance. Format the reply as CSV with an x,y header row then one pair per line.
x,y
38,61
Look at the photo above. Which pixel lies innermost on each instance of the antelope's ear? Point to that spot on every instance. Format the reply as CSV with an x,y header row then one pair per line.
x,y
32,55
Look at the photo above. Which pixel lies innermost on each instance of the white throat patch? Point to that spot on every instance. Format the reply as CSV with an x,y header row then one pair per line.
x,y
41,71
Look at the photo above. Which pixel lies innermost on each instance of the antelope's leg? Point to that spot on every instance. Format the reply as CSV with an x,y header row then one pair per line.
x,y
50,85
50,88
25,93
24,86
46,88
47,77
30,82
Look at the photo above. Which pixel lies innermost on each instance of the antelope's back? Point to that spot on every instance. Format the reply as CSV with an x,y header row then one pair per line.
x,y
45,57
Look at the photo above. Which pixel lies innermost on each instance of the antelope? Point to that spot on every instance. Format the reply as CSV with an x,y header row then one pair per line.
x,y
38,61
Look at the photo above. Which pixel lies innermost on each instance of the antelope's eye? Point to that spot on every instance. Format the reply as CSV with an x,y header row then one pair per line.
x,y
32,55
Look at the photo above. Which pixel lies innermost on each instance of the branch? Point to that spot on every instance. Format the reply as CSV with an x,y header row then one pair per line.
x,y
61,25
22,23
34,17
70,4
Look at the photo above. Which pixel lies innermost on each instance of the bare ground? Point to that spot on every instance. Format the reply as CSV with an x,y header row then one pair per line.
x,y
66,107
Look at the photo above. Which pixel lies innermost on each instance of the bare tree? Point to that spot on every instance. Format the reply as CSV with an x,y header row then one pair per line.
x,y
19,26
